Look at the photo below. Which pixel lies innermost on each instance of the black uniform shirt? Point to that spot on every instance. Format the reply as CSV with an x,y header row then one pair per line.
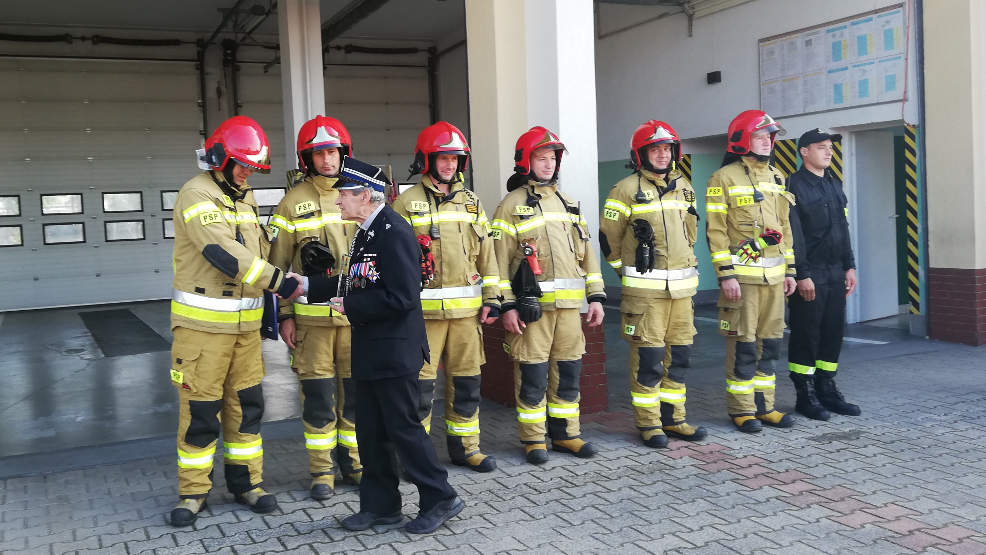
x,y
821,230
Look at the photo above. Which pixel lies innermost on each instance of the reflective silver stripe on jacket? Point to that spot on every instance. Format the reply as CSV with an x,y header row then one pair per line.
x,y
561,284
668,275
218,305
303,299
763,262
464,291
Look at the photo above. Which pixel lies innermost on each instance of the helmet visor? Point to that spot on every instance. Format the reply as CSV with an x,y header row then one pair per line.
x,y
448,142
770,125
259,161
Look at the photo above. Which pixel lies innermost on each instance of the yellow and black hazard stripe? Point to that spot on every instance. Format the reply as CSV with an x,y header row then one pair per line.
x,y
686,166
911,198
786,156
836,165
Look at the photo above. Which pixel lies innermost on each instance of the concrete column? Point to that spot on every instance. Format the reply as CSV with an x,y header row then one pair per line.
x,y
299,30
531,62
561,92
955,115
497,92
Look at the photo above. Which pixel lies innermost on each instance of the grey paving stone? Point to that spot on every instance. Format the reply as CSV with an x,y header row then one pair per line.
x,y
664,544
270,545
149,545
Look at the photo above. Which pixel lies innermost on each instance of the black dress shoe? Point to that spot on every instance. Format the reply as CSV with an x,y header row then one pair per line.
x,y
429,521
364,519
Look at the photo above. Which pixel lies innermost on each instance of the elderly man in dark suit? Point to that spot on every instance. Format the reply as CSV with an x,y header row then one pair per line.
x,y
380,295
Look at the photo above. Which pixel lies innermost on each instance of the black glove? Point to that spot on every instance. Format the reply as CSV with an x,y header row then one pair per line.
x,y
494,311
333,283
646,251
316,259
529,309
287,288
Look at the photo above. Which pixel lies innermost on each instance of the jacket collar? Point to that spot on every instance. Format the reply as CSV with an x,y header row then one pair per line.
x,y
753,164
323,184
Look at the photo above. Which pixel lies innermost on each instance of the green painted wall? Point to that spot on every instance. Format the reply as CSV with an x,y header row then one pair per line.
x,y
703,165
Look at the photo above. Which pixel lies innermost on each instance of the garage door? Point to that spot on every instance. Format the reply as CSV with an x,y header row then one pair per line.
x,y
91,153
384,109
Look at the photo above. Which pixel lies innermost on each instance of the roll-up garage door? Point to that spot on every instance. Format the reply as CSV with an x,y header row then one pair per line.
x,y
384,109
91,153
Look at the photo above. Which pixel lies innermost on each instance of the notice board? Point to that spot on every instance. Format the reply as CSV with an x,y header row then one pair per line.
x,y
850,62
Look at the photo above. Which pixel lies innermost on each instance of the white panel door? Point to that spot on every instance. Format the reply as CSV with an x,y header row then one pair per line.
x,y
90,128
384,109
876,256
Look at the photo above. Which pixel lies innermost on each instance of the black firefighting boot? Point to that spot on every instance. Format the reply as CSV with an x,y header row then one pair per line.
x,y
187,511
679,428
322,486
807,403
537,453
464,451
654,439
830,396
258,500
477,462
747,424
574,446
772,417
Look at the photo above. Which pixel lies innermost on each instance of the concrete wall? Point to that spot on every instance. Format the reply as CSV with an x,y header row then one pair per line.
x,y
657,71
955,55
453,89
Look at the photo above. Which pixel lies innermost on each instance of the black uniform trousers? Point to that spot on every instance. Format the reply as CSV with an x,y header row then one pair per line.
x,y
386,420
817,327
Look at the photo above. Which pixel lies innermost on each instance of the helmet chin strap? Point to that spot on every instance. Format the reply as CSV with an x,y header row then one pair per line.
x,y
432,173
661,171
760,157
228,184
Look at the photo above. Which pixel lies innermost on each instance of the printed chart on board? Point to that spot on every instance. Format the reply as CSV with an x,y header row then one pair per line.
x,y
841,64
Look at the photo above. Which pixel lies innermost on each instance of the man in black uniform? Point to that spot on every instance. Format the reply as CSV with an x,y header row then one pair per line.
x,y
826,275
380,295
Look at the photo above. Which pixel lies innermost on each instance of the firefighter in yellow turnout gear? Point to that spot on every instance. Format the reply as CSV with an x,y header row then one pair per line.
x,y
313,239
647,234
547,268
463,290
216,309
750,243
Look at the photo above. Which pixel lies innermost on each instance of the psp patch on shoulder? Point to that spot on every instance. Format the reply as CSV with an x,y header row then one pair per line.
x,y
211,217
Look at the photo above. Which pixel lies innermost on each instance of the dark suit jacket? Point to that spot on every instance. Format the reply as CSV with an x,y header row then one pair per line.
x,y
383,303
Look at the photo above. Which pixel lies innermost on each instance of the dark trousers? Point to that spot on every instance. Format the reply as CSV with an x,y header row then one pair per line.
x,y
817,327
387,421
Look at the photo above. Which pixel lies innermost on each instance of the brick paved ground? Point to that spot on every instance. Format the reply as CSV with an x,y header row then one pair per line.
x,y
907,476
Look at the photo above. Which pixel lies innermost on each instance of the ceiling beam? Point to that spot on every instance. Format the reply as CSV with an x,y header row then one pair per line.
x,y
226,16
347,17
